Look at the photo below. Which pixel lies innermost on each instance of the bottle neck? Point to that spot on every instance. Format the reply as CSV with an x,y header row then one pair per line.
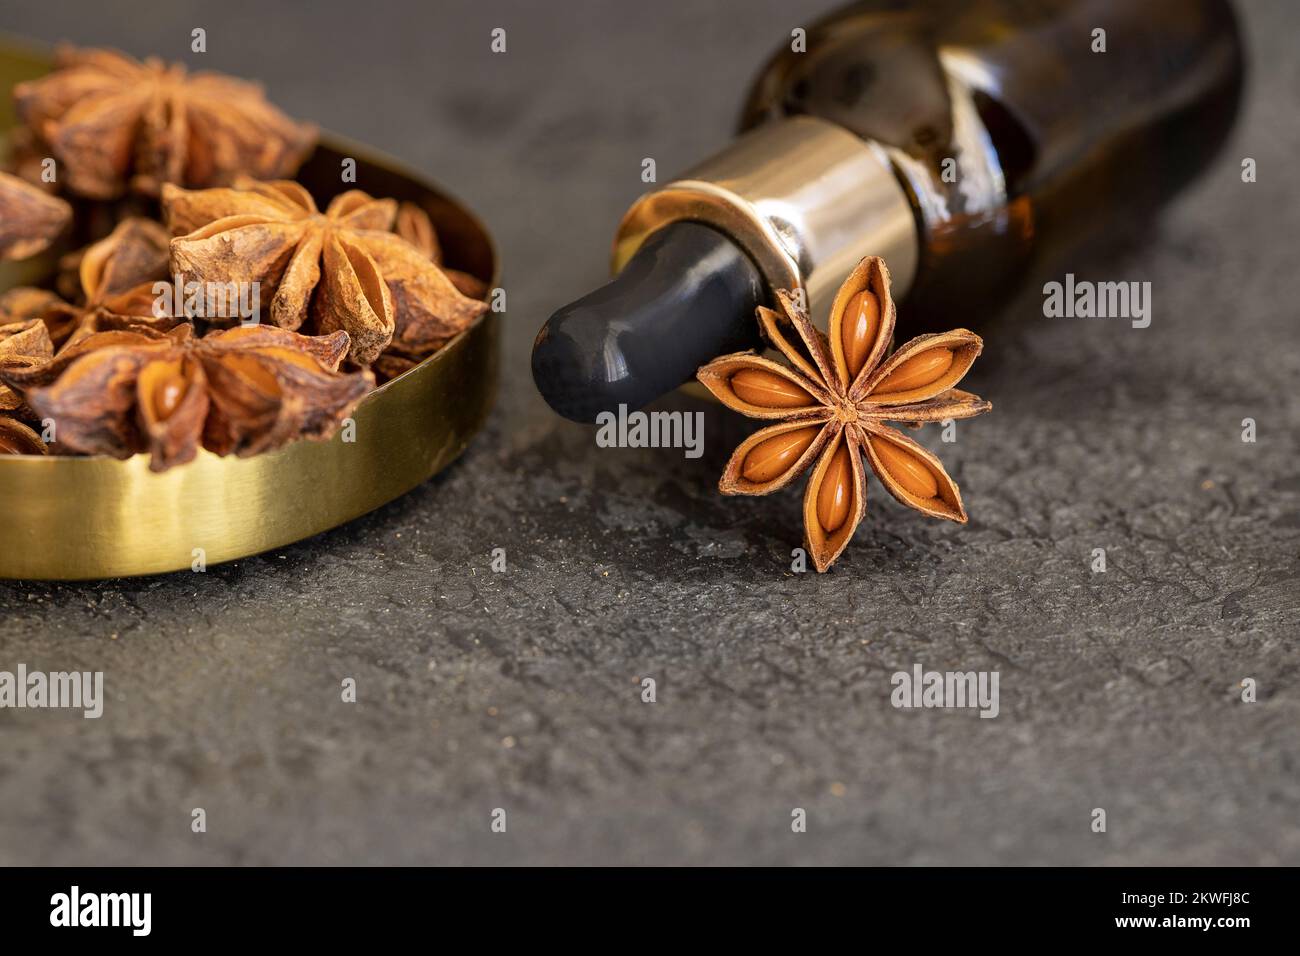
x,y
804,198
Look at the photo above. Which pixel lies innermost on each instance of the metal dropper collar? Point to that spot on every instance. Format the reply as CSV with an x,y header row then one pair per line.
x,y
806,199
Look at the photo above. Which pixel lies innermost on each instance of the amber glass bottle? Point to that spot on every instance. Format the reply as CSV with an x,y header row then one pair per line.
x,y
1052,118
959,140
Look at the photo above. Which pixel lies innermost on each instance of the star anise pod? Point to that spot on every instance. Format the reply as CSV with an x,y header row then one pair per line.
x,y
19,439
343,269
137,252
831,406
109,285
27,159
25,303
30,219
111,120
244,390
23,345
414,225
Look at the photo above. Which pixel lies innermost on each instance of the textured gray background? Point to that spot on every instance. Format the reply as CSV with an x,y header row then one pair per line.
x,y
520,690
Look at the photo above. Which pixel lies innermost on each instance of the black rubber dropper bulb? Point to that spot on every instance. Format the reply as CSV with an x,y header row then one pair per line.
x,y
689,291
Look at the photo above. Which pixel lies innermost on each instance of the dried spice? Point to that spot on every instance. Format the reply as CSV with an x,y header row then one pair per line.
x,y
102,357
27,159
344,269
112,288
23,346
113,121
415,226
136,253
30,219
244,390
831,405
18,439
24,303
390,365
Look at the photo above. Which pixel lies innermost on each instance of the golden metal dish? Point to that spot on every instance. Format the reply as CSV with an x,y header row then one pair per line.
x,y
79,518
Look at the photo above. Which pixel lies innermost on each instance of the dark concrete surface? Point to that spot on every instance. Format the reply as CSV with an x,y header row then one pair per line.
x,y
522,690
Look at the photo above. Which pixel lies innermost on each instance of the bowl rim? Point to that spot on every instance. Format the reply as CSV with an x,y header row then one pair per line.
x,y
95,517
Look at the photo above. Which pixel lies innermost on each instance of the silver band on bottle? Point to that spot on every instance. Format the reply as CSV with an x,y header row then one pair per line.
x,y
804,198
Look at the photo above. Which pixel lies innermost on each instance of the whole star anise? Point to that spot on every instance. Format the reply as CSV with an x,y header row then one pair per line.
x,y
109,285
30,219
343,269
111,120
244,390
832,404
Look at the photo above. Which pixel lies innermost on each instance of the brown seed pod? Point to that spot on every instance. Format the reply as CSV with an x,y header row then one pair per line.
x,y
827,410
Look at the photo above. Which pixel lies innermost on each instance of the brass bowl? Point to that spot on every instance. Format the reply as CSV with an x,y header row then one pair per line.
x,y
81,518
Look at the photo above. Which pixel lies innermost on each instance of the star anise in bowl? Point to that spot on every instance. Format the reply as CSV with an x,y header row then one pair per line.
x,y
129,347
23,345
244,390
30,218
343,268
113,122
108,285
831,406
